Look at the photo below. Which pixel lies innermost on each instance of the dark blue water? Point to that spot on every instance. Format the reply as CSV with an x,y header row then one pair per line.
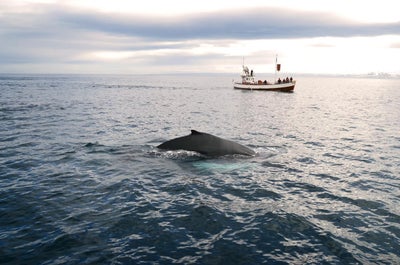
x,y
81,181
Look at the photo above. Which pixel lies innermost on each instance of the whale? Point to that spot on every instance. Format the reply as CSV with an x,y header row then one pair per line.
x,y
206,144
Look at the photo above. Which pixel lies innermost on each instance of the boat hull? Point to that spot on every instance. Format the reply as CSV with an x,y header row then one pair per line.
x,y
284,87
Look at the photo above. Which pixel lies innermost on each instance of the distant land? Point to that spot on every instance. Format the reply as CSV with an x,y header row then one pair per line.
x,y
372,75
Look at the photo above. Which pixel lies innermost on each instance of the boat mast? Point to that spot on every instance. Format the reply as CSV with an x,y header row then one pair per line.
x,y
276,63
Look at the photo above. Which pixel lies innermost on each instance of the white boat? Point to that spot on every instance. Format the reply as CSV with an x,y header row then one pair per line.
x,y
249,82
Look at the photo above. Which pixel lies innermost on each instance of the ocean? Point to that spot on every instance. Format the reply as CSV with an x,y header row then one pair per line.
x,y
82,182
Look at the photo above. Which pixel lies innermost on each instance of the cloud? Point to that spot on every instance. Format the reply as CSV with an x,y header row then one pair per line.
x,y
264,23
322,45
51,34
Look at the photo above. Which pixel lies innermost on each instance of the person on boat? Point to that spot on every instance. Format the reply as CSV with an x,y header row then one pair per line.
x,y
251,72
279,80
291,79
265,82
287,79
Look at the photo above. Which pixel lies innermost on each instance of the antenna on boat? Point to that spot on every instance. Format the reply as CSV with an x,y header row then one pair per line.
x,y
277,66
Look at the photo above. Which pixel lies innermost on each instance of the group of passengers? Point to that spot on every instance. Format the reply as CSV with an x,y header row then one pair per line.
x,y
285,80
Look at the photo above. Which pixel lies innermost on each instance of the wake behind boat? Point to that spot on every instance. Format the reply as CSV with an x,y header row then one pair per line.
x,y
249,82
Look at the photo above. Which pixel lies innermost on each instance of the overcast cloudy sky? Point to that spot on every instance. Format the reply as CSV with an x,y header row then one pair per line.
x,y
175,36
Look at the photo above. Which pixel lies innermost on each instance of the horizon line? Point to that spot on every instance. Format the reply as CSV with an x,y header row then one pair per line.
x,y
369,74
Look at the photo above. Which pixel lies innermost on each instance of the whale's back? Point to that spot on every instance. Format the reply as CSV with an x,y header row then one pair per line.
x,y
206,144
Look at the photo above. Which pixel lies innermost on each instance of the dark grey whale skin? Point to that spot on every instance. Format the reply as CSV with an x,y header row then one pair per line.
x,y
206,144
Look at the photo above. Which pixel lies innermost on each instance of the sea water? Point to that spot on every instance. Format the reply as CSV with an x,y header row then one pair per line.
x,y
82,182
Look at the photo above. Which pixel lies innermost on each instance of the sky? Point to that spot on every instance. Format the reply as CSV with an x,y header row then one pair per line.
x,y
181,36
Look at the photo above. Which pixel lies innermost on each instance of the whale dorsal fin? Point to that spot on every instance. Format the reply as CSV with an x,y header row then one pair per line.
x,y
194,132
